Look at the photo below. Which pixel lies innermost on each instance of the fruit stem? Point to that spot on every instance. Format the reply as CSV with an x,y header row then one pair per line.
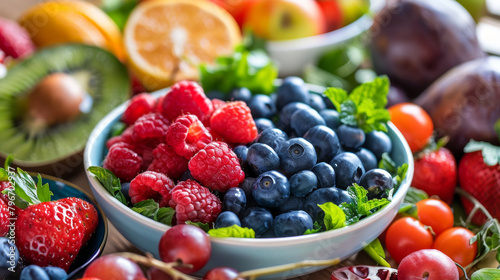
x,y
168,268
254,273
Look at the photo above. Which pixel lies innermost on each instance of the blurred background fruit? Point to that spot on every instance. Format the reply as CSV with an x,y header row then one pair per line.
x,y
14,40
237,8
191,33
333,13
353,9
55,22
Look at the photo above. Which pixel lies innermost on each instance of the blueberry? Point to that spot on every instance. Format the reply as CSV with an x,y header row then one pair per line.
x,y
325,142
325,174
247,186
376,182
302,183
227,219
295,155
350,137
55,273
33,272
125,187
292,203
235,201
378,142
367,158
328,102
241,152
263,124
215,94
240,94
286,113
348,169
271,189
262,158
321,196
331,117
272,137
262,106
8,257
293,89
259,219
316,102
304,119
292,223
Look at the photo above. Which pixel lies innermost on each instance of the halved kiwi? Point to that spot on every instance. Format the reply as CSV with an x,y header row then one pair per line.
x,y
50,102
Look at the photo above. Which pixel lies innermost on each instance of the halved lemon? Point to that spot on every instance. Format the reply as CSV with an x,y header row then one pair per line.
x,y
166,40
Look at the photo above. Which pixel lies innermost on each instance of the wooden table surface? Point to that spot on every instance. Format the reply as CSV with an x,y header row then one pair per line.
x,y
488,32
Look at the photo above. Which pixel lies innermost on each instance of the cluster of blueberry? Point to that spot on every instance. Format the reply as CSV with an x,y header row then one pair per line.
x,y
302,157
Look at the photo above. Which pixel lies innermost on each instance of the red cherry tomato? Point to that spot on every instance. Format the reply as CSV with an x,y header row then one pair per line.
x,y
414,123
237,8
454,242
332,12
406,236
427,264
436,214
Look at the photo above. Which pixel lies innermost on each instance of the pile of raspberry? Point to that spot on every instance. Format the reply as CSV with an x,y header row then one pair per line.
x,y
177,150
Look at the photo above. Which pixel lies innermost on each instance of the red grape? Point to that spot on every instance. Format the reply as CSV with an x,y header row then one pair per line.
x,y
221,273
111,267
186,243
156,274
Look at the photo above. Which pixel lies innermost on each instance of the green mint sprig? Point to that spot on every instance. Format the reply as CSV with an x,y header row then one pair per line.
x,y
364,107
109,181
232,231
150,208
360,206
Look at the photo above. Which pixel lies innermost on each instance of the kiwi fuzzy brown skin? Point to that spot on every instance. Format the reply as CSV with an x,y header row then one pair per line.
x,y
53,144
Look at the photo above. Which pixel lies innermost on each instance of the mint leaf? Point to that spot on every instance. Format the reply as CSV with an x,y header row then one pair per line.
x,y
43,191
25,187
376,252
360,206
147,208
491,153
400,175
316,228
334,216
232,231
251,69
204,226
165,215
365,106
486,274
388,164
109,181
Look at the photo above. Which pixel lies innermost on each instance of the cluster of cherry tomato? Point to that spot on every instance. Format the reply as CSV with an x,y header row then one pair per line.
x,y
433,230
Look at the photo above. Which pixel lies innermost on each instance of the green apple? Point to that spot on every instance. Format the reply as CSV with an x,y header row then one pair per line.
x,y
285,19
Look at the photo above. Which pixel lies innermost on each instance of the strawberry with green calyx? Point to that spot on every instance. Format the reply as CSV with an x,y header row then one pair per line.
x,y
479,175
435,171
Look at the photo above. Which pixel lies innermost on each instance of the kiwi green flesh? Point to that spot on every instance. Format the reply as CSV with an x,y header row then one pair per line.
x,y
103,77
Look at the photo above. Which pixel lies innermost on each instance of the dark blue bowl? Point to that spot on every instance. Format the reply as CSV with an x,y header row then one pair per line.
x,y
94,247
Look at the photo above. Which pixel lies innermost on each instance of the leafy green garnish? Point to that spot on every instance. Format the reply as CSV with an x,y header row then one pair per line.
x,y
251,69
491,153
398,173
408,210
376,252
150,208
414,195
27,192
360,206
365,106
334,216
109,181
232,231
204,226
487,240
316,228
486,274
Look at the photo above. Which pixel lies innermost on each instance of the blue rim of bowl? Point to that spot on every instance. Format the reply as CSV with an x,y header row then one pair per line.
x,y
100,249
256,242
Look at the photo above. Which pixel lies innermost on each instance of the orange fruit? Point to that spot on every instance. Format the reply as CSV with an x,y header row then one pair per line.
x,y
166,40
65,21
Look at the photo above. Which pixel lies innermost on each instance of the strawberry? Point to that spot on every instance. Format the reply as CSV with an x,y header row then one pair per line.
x,y
436,172
479,175
87,212
4,218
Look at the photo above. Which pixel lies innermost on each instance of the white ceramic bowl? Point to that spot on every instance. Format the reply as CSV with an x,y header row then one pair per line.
x,y
244,254
293,55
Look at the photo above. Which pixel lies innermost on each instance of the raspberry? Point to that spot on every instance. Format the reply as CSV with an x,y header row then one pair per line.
x,y
216,103
234,123
151,126
215,135
139,105
4,218
159,105
166,161
195,203
217,167
186,97
123,162
15,40
151,185
187,135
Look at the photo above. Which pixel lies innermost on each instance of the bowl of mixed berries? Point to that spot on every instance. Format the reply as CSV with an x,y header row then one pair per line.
x,y
273,179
